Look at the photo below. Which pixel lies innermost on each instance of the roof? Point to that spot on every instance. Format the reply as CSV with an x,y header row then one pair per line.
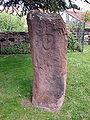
x,y
79,16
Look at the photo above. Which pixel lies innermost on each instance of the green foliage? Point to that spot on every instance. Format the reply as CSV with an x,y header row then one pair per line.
x,y
71,25
16,75
86,17
72,43
17,49
48,5
12,22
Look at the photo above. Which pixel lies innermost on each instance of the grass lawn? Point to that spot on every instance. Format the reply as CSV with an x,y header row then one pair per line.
x,y
16,77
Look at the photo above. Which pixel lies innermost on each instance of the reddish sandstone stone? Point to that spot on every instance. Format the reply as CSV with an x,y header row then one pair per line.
x,y
48,42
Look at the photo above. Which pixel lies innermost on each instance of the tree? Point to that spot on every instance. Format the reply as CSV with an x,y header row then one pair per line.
x,y
27,5
11,22
86,17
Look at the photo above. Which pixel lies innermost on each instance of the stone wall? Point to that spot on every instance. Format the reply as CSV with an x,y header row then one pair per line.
x,y
8,39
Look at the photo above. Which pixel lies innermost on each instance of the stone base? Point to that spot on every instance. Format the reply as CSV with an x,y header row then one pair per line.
x,y
51,107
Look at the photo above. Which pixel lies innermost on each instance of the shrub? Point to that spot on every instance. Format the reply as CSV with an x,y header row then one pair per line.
x,y
9,22
73,44
17,49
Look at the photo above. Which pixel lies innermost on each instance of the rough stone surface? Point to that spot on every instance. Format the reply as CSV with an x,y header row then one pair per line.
x,y
48,42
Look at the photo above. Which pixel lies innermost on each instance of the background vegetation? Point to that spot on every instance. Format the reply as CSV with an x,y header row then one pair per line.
x,y
73,45
86,17
12,22
17,49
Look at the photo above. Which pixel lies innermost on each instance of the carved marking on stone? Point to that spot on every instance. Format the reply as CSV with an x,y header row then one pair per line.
x,y
61,30
47,41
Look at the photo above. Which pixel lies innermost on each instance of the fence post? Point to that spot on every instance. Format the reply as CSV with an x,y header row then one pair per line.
x,y
83,37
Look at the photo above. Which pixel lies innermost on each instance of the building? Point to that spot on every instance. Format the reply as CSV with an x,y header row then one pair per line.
x,y
75,23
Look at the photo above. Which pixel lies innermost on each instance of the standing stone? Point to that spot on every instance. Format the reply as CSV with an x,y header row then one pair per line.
x,y
48,42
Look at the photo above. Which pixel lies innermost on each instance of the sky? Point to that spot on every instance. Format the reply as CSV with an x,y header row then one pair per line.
x,y
83,5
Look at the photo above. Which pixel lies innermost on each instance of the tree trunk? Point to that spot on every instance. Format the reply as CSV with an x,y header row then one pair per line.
x,y
48,43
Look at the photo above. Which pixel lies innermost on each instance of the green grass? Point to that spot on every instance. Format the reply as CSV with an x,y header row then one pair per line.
x,y
16,77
